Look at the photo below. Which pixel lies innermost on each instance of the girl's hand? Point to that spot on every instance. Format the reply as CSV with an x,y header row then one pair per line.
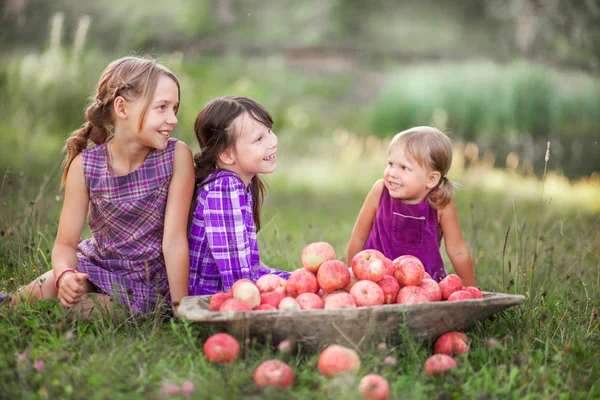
x,y
71,288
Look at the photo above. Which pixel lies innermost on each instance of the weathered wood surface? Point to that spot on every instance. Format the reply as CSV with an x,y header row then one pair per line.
x,y
350,326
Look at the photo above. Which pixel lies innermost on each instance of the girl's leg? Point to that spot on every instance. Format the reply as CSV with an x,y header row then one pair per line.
x,y
40,288
94,304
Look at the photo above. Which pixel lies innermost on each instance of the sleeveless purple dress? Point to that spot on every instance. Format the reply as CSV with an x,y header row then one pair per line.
x,y
124,255
407,229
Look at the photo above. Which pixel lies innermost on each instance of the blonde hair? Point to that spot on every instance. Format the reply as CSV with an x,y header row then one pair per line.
x,y
132,78
432,149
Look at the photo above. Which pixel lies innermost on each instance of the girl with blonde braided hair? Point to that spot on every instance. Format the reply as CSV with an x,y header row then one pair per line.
x,y
137,182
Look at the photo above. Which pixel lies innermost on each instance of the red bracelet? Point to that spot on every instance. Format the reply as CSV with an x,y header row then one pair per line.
x,y
62,273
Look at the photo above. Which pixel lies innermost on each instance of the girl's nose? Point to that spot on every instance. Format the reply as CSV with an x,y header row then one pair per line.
x,y
274,140
172,119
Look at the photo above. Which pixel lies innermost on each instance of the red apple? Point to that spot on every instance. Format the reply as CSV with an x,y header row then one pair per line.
x,y
451,343
390,287
310,301
289,303
431,289
474,291
374,387
369,265
302,281
427,276
409,270
388,267
333,275
246,291
272,298
216,300
460,295
221,348
234,304
439,364
316,254
238,282
273,373
339,300
353,280
264,307
411,295
271,283
450,284
367,293
336,359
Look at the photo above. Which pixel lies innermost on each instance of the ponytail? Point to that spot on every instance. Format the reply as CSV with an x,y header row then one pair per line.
x,y
441,196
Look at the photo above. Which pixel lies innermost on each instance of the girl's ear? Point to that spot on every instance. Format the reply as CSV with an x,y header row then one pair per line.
x,y
433,179
120,107
227,157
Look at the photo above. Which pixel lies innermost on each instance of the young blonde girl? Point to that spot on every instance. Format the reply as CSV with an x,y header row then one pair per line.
x,y
411,209
137,183
236,145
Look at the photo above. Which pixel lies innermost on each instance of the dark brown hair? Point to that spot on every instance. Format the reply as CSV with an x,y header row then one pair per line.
x,y
432,149
132,78
214,130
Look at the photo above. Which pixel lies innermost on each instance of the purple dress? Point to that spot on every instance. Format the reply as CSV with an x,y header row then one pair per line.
x,y
124,255
407,229
222,236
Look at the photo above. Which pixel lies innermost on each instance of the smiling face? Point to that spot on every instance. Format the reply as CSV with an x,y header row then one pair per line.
x,y
405,178
161,115
254,149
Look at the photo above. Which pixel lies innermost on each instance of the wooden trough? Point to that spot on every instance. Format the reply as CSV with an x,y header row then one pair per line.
x,y
350,326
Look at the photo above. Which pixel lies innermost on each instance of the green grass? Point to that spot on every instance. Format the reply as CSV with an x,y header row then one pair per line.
x,y
549,346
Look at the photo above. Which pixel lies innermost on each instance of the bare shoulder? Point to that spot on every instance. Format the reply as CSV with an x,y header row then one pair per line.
x,y
448,210
377,188
182,150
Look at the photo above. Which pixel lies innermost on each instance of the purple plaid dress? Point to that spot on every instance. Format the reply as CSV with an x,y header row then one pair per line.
x,y
222,237
124,255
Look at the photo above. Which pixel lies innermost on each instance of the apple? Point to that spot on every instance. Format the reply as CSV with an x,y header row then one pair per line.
x,y
289,303
339,300
353,280
409,270
369,265
427,276
374,387
302,281
221,348
264,307
246,291
336,359
234,304
271,283
216,300
367,293
316,254
310,301
439,364
450,284
238,282
411,295
451,343
273,373
272,298
474,291
431,289
388,267
333,275
460,295
390,287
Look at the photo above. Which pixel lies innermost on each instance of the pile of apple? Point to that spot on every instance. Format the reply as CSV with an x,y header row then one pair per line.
x,y
324,282
334,360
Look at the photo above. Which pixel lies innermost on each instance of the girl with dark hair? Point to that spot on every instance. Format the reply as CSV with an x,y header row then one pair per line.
x,y
236,145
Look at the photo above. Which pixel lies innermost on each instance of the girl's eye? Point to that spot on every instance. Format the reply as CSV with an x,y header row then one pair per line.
x,y
405,169
390,164
162,107
259,139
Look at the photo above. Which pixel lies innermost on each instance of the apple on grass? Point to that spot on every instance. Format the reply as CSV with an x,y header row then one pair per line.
x,y
221,348
452,343
336,359
439,364
374,387
273,373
